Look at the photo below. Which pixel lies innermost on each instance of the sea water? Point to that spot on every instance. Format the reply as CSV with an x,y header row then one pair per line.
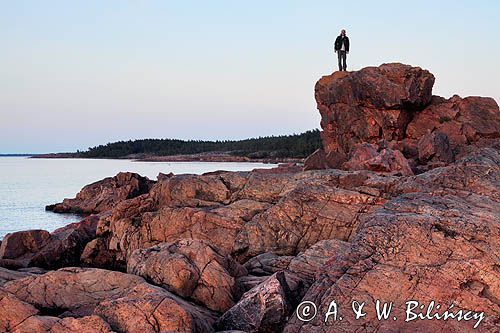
x,y
27,185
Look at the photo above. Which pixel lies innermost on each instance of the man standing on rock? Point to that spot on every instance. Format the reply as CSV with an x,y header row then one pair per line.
x,y
342,49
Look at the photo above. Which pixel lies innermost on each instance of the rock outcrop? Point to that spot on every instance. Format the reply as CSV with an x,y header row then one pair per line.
x,y
392,106
39,248
125,302
105,194
19,316
241,214
437,241
406,207
7,275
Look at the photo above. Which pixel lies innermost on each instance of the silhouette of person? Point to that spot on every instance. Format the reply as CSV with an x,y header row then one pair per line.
x,y
341,47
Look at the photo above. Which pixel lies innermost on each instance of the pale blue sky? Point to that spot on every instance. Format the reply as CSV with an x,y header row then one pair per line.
x,y
75,74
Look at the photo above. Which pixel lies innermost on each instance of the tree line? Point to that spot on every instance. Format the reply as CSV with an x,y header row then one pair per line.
x,y
283,146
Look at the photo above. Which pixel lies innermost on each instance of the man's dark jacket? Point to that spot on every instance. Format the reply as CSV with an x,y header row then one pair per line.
x,y
338,43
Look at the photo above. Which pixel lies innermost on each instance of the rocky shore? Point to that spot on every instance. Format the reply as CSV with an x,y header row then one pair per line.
x,y
402,203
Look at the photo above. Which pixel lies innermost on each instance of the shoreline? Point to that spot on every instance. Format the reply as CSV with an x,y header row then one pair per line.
x,y
203,157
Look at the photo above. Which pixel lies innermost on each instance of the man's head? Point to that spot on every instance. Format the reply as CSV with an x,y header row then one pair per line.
x,y
342,32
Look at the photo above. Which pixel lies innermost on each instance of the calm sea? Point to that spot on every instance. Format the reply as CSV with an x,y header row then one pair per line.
x,y
27,185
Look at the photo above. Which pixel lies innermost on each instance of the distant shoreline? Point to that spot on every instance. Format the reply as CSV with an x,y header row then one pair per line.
x,y
202,157
16,155
292,148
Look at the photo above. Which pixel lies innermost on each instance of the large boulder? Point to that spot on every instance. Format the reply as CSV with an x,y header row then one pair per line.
x,y
264,308
211,207
18,244
191,269
321,160
370,104
394,103
463,120
103,195
369,157
40,248
435,147
122,234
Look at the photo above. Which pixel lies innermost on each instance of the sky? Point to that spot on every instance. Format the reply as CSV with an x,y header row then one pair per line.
x,y
76,74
